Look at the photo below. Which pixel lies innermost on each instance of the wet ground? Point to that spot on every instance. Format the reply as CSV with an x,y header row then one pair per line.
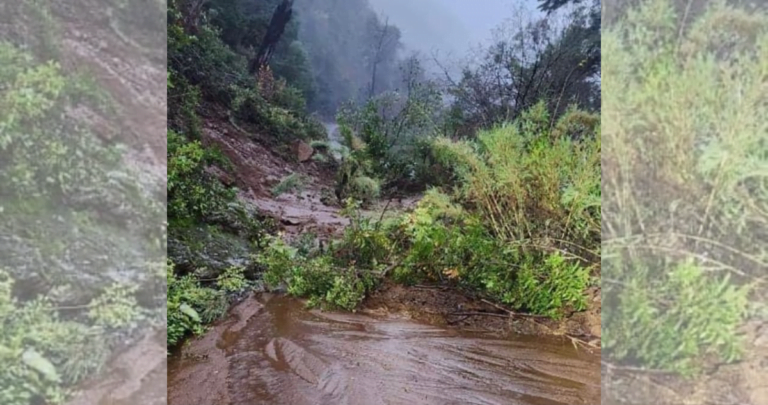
x,y
271,350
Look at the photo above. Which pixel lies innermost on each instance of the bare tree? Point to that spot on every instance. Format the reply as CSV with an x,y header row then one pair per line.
x,y
553,58
377,58
191,11
280,19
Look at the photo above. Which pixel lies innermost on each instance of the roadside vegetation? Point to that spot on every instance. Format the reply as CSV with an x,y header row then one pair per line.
x,y
522,225
684,175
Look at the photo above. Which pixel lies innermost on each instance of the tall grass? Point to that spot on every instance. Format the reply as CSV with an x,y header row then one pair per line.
x,y
684,183
532,183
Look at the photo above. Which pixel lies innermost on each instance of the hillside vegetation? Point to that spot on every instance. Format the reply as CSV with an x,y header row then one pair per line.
x,y
81,230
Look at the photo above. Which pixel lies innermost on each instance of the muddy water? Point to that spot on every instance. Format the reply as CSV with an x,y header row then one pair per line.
x,y
273,351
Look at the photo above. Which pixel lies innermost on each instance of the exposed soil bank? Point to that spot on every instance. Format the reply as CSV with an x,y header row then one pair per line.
x,y
271,350
445,306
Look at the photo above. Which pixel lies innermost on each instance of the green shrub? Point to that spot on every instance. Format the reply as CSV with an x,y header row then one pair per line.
x,y
318,278
364,188
45,353
191,306
446,242
42,155
683,183
389,127
292,183
365,244
193,193
232,280
530,187
63,191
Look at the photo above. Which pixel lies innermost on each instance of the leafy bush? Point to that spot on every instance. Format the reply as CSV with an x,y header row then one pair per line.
x,y
683,182
44,352
63,192
315,278
219,71
443,241
41,155
193,193
384,133
191,306
232,280
531,188
364,188
291,183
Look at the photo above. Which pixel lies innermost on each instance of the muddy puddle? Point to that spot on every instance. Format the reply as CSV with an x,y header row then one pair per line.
x,y
273,351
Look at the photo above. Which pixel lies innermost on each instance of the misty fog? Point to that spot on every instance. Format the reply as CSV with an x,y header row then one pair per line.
x,y
449,29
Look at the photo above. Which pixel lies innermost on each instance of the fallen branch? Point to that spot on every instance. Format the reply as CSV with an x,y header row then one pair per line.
x,y
468,314
512,313
390,268
614,367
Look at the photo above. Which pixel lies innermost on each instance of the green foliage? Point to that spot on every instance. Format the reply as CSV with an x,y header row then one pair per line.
x,y
318,278
191,306
289,184
684,173
116,307
531,183
444,241
43,353
232,280
193,193
523,226
66,197
364,188
653,310
541,61
384,133
212,66
366,244
41,155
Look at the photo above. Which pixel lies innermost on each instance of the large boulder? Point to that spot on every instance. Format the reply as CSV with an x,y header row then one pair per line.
x,y
304,151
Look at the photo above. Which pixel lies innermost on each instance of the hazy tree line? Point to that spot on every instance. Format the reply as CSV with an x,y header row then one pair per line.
x,y
335,51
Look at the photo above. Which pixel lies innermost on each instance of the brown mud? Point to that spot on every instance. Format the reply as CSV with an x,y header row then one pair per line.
x,y
258,167
456,309
272,350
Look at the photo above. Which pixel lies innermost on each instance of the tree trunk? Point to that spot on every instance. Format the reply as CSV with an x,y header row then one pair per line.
x,y
280,19
191,10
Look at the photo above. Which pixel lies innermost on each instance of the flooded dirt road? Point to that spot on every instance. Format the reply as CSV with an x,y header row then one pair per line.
x,y
272,351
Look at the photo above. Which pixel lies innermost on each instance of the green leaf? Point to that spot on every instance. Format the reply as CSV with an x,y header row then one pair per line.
x,y
190,312
35,360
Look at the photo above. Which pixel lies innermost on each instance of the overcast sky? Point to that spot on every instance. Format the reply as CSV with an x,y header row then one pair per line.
x,y
448,25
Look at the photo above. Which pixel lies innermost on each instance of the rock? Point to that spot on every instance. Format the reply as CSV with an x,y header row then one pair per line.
x,y
304,151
